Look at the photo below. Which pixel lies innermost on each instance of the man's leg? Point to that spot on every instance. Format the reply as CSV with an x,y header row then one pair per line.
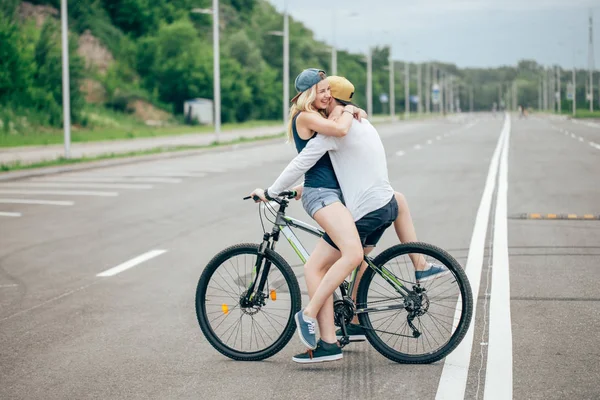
x,y
405,229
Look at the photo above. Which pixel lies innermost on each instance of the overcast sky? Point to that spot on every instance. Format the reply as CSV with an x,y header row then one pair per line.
x,y
469,33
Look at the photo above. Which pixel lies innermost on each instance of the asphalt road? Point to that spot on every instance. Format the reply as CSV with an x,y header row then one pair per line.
x,y
66,333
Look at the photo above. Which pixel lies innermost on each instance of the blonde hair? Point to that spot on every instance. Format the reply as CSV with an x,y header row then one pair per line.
x,y
303,103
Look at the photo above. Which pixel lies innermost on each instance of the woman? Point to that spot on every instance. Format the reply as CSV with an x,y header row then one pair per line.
x,y
322,198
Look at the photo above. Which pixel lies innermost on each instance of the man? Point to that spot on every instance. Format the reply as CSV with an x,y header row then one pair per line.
x,y
360,165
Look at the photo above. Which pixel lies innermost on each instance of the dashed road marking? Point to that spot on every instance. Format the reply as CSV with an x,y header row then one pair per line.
x,y
9,214
552,216
42,202
60,192
131,263
78,185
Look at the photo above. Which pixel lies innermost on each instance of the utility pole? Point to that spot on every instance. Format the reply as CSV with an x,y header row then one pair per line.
x,y
574,92
471,98
217,69
65,78
392,89
286,67
591,62
540,95
369,83
558,94
427,88
419,93
406,90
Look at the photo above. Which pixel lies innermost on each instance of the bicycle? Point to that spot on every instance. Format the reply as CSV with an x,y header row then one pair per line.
x,y
266,295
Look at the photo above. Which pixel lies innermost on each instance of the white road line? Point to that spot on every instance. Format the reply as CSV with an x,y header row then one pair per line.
x,y
580,139
596,145
77,185
400,153
417,147
12,285
499,368
438,137
429,141
108,179
453,381
60,192
42,202
131,263
9,214
573,135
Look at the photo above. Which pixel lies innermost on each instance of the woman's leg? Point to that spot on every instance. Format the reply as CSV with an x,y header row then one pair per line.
x,y
319,262
337,221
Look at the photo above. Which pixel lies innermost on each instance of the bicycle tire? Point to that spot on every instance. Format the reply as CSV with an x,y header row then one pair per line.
x,y
295,295
465,291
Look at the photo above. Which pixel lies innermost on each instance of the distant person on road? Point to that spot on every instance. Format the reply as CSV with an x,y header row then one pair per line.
x,y
368,193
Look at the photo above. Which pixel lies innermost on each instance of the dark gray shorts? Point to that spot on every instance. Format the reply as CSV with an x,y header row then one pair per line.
x,y
313,199
372,226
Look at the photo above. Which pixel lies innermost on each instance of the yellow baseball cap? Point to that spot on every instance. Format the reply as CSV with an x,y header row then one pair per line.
x,y
341,89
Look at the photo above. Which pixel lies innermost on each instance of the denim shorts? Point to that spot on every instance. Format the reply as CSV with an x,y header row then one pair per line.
x,y
313,199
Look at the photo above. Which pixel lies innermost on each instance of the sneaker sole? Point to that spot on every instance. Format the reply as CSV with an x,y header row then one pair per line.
x,y
354,338
304,342
334,357
431,277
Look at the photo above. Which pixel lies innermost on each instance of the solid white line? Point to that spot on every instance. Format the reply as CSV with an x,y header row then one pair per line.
x,y
9,214
400,153
499,369
75,185
44,202
108,179
453,381
131,263
596,145
60,192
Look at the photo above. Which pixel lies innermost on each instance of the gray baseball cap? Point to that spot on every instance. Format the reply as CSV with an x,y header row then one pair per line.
x,y
307,79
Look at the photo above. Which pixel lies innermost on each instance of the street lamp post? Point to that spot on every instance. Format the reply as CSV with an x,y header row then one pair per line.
x,y
65,80
369,82
406,91
216,64
392,90
216,70
286,64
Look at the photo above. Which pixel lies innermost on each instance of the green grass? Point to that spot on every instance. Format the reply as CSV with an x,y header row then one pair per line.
x,y
581,113
111,125
64,161
56,136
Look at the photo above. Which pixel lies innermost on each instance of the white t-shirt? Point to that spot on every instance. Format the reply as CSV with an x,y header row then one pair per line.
x,y
359,163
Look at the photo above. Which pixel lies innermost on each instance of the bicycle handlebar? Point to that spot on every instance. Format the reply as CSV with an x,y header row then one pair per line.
x,y
289,194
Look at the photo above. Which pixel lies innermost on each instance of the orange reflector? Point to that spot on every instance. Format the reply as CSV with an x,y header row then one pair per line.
x,y
225,308
273,295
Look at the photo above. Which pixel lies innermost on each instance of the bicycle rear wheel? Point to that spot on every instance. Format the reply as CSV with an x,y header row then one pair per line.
x,y
247,333
440,309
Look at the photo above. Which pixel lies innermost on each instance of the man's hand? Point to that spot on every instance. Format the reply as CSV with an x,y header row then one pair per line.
x,y
260,193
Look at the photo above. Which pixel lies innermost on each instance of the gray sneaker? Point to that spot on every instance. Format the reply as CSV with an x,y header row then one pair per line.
x,y
306,329
323,352
432,272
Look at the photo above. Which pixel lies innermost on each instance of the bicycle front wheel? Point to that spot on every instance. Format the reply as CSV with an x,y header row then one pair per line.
x,y
238,330
427,323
